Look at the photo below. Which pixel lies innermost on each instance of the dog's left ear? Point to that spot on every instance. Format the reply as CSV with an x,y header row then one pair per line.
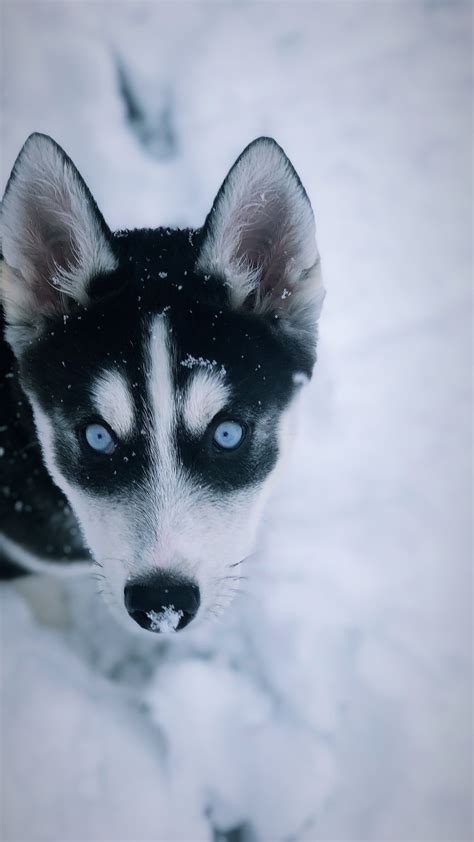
x,y
53,236
260,238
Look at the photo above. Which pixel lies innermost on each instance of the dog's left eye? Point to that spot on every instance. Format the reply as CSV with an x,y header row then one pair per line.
x,y
229,434
99,439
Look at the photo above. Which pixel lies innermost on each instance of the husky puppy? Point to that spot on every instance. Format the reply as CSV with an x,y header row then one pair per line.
x,y
148,378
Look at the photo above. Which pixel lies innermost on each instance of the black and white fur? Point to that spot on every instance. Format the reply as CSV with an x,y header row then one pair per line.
x,y
158,333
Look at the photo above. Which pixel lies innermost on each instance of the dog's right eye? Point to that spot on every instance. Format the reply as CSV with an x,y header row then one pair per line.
x,y
100,439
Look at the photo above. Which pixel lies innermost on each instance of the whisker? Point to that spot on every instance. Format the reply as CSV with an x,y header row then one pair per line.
x,y
236,591
239,562
111,558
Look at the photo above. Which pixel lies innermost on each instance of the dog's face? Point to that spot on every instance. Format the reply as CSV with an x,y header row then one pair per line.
x,y
162,368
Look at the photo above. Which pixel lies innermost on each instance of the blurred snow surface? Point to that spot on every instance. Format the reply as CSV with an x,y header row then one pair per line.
x,y
332,702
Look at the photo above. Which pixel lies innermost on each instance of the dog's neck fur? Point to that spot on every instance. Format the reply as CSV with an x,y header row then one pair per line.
x,y
35,515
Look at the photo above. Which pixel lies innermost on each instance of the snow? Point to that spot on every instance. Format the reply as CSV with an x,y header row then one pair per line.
x,y
200,362
333,700
165,621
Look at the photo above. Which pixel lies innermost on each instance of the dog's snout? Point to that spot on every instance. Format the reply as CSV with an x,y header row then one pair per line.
x,y
162,603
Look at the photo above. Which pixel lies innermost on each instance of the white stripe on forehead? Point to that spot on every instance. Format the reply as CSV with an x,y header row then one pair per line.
x,y
162,396
113,400
205,396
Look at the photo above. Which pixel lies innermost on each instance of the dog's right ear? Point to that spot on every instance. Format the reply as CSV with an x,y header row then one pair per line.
x,y
53,239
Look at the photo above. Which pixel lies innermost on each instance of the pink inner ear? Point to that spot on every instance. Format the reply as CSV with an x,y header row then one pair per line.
x,y
48,247
268,245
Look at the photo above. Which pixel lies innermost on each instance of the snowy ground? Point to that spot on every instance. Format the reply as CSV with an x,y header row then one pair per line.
x,y
333,701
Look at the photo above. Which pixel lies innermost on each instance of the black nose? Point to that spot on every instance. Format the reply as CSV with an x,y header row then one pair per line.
x,y
161,602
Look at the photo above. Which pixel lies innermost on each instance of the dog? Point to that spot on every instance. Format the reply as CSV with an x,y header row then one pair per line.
x,y
149,380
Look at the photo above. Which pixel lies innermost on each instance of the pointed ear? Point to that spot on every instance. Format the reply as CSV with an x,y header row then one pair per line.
x,y
260,238
54,238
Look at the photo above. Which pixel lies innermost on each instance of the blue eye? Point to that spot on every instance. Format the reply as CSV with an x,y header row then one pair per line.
x,y
99,439
229,434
